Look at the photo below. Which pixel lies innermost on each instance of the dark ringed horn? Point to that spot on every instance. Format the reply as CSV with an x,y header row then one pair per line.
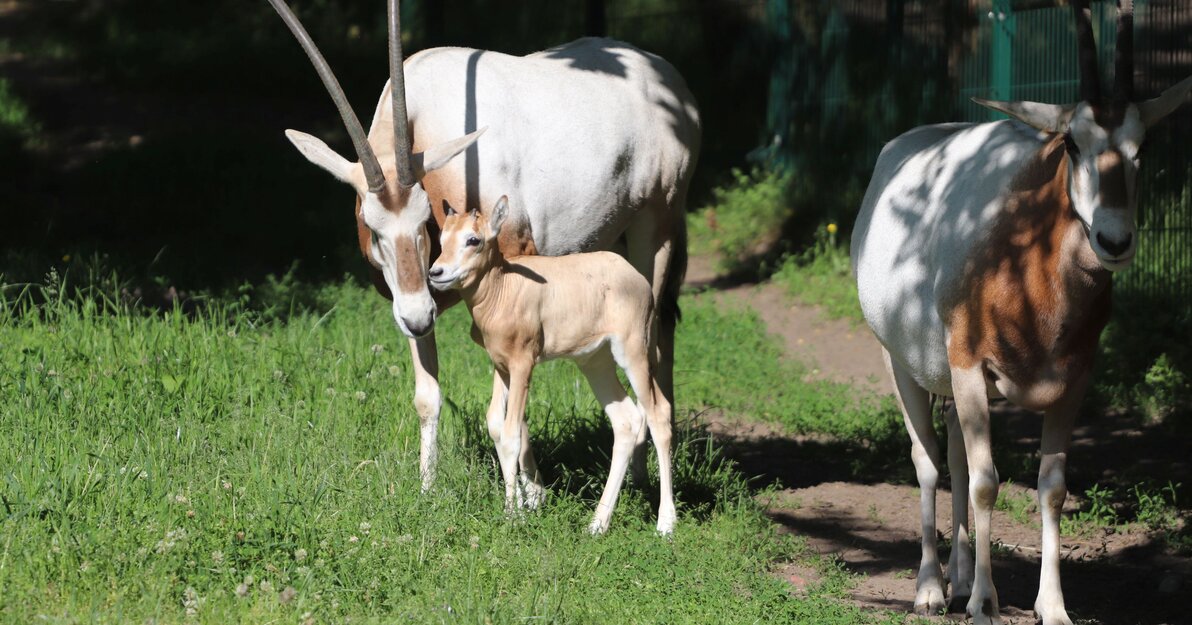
x,y
1086,46
372,167
397,86
1123,76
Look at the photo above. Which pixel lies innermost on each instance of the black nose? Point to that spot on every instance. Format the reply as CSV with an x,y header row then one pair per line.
x,y
1116,248
435,272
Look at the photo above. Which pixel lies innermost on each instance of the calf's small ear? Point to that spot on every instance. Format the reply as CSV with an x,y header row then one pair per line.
x,y
497,215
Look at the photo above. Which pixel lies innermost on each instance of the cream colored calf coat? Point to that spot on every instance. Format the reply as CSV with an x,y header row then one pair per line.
x,y
592,308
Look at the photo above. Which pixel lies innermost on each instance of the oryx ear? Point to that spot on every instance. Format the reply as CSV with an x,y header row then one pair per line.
x,y
497,215
1151,111
318,153
439,155
1045,117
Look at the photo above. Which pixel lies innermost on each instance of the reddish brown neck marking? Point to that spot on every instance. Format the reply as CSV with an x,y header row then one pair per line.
x,y
1028,302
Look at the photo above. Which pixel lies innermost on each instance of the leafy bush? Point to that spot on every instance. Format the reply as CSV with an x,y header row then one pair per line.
x,y
745,216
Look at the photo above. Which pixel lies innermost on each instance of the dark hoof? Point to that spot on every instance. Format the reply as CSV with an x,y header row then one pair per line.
x,y
957,605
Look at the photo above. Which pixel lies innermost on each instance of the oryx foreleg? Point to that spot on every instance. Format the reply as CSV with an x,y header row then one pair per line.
x,y
1057,434
428,401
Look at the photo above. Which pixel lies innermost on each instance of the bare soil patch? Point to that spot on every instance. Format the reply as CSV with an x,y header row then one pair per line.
x,y
870,522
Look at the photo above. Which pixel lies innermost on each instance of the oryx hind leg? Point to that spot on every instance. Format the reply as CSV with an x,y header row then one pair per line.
x,y
656,245
960,561
916,412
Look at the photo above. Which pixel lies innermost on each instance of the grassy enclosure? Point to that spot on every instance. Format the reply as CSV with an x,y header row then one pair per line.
x,y
205,416
222,466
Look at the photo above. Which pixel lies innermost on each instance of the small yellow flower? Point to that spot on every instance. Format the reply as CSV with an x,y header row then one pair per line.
x,y
831,228
66,258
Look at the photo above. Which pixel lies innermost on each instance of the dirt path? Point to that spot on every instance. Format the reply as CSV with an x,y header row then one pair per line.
x,y
870,522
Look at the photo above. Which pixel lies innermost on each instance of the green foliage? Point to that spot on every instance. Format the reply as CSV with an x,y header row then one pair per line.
x,y
821,276
1098,513
1164,388
745,216
1019,505
1156,508
15,118
224,464
1140,368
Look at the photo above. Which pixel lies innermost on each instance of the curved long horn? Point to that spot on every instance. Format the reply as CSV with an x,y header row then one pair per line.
x,y
397,87
1123,76
1086,46
372,167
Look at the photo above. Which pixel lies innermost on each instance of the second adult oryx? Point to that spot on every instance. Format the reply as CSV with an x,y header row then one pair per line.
x,y
594,142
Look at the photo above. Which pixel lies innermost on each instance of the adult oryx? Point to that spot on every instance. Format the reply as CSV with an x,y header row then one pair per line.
x,y
594,142
983,255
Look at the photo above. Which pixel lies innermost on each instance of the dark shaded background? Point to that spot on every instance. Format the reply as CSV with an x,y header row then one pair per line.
x,y
148,133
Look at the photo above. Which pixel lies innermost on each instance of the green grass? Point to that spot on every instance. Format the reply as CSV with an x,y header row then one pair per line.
x,y
230,466
820,276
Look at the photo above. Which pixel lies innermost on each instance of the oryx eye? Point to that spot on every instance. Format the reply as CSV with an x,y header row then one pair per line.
x,y
472,241
1070,144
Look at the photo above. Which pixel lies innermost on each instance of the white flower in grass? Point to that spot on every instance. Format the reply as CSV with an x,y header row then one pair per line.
x,y
365,527
361,396
279,375
242,590
266,586
354,539
226,485
232,333
330,391
217,557
377,348
191,601
180,498
299,554
394,370
143,475
287,595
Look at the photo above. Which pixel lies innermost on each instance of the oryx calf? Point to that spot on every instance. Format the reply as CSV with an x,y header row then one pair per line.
x,y
594,309
984,256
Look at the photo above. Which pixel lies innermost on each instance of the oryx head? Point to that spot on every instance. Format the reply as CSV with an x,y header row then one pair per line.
x,y
469,242
393,204
1102,136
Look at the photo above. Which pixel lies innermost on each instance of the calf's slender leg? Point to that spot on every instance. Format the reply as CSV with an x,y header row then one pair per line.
x,y
657,409
509,447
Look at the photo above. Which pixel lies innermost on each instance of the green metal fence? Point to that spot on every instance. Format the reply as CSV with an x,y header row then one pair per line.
x,y
1026,50
885,67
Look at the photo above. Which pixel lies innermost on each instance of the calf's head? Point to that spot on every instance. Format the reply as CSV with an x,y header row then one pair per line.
x,y
469,244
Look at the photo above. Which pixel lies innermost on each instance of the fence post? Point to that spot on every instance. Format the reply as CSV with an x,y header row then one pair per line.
x,y
1001,51
778,108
